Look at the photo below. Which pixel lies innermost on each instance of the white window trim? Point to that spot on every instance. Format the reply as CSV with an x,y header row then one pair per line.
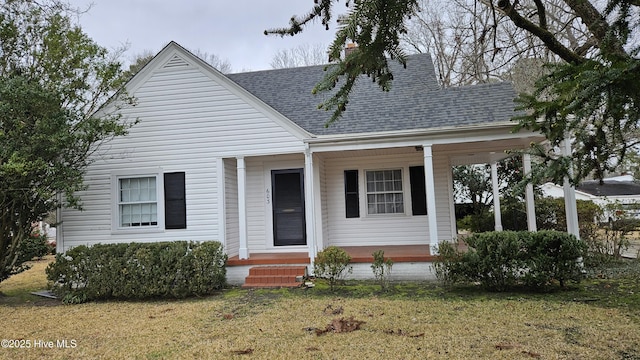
x,y
406,193
115,209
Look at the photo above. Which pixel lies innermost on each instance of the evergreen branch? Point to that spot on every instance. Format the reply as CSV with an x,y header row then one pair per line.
x,y
297,24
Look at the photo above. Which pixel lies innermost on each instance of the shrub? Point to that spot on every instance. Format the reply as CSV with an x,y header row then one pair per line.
x,y
492,257
551,256
448,267
138,271
332,264
52,247
34,246
503,260
381,268
608,244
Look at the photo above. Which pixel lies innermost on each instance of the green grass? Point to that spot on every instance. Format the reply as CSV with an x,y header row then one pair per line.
x,y
599,319
18,288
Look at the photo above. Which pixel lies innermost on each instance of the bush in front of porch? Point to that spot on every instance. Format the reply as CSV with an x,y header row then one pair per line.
x,y
503,260
332,264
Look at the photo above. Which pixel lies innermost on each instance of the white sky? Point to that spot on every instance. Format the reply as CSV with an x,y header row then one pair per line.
x,y
231,29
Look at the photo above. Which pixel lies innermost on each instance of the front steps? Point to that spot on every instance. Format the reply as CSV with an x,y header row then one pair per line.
x,y
275,276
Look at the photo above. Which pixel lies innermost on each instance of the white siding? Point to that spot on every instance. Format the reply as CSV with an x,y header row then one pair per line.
x,y
256,216
187,119
231,207
444,197
392,229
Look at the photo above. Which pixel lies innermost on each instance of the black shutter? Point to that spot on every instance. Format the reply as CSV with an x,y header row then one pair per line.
x,y
175,205
352,200
418,190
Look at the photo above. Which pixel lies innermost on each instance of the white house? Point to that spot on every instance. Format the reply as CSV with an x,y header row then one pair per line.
x,y
622,190
245,159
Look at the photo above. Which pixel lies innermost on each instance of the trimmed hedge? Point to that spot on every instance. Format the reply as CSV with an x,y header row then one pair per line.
x,y
506,259
138,271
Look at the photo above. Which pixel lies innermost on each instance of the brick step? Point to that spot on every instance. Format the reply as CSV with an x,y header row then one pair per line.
x,y
274,276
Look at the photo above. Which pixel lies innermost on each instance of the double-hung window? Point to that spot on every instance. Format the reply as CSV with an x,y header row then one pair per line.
x,y
149,201
137,202
384,192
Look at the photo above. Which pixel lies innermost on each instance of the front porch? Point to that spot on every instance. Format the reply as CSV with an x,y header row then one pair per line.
x,y
409,260
359,254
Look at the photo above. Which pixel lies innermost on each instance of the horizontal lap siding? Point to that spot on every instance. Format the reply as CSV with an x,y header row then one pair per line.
x,y
186,120
256,226
232,228
393,229
443,184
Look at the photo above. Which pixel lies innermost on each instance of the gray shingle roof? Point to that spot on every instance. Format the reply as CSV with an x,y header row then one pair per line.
x,y
610,188
414,102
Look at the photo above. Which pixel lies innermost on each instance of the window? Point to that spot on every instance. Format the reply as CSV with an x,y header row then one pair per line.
x,y
384,192
137,202
153,201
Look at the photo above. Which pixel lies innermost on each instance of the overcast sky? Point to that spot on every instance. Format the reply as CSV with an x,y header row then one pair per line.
x,y
231,29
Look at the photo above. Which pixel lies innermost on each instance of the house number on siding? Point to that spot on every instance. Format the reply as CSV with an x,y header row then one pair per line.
x,y
268,198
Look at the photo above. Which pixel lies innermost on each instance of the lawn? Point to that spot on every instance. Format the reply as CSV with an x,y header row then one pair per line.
x,y
598,320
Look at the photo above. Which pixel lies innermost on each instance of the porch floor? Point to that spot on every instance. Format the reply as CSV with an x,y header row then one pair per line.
x,y
359,254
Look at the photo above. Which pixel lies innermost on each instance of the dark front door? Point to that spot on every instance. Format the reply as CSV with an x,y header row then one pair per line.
x,y
288,207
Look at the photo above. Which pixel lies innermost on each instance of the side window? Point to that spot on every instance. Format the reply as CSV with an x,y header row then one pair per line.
x,y
137,202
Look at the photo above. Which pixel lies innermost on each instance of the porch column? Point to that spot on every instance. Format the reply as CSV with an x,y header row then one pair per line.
x,y
528,195
497,214
309,203
242,208
570,206
317,200
431,198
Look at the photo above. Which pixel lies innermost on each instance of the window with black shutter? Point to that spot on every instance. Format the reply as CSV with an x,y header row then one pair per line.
x,y
418,190
175,205
352,200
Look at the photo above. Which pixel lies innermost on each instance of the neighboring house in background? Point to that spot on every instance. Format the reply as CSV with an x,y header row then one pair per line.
x,y
44,228
245,159
622,190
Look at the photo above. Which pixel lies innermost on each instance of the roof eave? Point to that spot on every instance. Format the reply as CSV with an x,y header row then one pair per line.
x,y
436,134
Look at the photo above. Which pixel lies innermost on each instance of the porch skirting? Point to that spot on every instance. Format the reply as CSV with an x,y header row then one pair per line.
x,y
402,271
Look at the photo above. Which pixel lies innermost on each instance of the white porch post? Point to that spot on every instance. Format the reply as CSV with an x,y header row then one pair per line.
x,y
431,198
528,195
497,214
317,200
570,206
309,203
242,208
